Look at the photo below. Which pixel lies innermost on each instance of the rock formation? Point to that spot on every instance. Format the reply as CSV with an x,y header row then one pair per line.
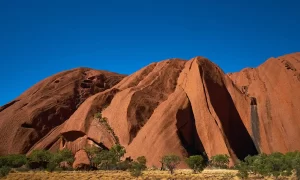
x,y
41,110
173,106
274,92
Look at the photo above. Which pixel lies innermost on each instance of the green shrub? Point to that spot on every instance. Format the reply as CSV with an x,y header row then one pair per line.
x,y
295,163
275,164
171,161
124,165
138,166
64,155
39,159
43,159
51,166
136,169
4,171
242,170
142,161
98,115
118,151
220,161
3,161
105,160
92,151
17,160
196,163
13,160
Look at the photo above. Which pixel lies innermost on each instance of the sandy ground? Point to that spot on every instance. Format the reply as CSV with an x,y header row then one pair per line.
x,y
215,174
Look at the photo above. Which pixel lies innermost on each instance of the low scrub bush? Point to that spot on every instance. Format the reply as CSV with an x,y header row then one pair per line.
x,y
196,163
39,159
4,171
171,162
13,160
138,166
106,159
220,161
272,165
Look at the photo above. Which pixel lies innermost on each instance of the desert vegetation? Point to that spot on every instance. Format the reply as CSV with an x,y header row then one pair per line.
x,y
103,120
196,163
273,165
36,160
110,164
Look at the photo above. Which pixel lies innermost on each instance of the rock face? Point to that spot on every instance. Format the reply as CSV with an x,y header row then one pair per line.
x,y
42,109
173,106
274,92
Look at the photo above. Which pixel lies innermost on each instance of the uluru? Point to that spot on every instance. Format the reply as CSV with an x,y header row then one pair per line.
x,y
185,107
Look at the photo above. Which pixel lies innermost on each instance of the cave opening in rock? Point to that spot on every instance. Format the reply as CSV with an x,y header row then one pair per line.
x,y
72,135
26,125
187,133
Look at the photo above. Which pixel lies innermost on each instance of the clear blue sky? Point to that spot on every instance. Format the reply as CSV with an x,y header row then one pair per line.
x,y
42,37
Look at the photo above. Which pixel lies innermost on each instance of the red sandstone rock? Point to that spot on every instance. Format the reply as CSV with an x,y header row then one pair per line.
x,y
81,160
34,118
274,114
174,106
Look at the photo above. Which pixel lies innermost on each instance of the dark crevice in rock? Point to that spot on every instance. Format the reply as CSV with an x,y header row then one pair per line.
x,y
244,89
85,85
23,106
187,132
52,117
26,125
205,95
52,143
92,77
101,85
77,99
88,81
253,101
288,65
235,132
101,145
73,135
8,105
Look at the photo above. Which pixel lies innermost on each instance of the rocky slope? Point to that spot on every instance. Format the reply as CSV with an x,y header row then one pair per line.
x,y
43,108
173,106
274,90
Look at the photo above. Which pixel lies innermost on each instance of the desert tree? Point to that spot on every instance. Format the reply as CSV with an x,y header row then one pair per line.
x,y
171,162
196,163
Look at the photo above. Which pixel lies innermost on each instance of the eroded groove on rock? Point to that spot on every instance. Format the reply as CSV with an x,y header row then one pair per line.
x,y
51,118
255,123
8,105
187,132
235,131
55,141
101,145
147,99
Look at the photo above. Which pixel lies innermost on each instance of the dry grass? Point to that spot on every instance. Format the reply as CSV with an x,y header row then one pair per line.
x,y
215,174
